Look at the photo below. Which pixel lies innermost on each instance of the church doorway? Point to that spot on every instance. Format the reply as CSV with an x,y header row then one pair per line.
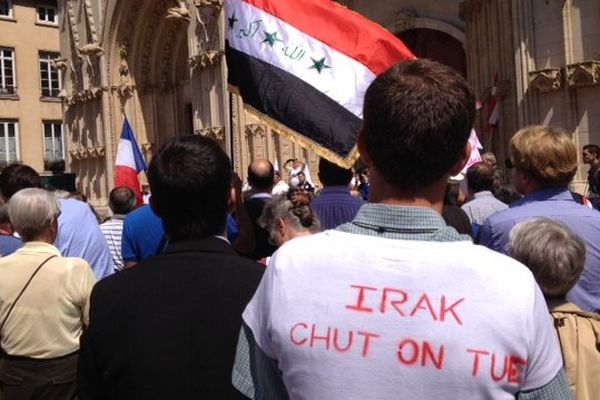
x,y
436,45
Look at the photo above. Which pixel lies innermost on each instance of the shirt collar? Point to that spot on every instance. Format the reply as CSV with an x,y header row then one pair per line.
x,y
261,195
484,193
548,194
38,248
335,189
402,222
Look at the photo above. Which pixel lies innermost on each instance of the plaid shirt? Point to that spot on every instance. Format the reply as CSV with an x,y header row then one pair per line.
x,y
258,376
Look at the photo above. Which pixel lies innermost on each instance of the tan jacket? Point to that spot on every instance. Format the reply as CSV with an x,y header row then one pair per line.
x,y
579,336
49,318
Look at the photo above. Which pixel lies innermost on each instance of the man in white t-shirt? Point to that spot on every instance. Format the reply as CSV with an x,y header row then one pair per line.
x,y
396,304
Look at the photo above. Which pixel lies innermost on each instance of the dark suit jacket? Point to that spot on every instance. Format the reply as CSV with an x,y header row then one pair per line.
x,y
263,247
168,328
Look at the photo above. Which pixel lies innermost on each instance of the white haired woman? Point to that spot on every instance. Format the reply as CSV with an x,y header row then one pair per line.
x,y
44,302
288,216
555,256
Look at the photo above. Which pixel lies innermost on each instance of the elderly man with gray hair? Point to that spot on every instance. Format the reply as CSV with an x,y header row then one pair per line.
x,y
555,256
44,302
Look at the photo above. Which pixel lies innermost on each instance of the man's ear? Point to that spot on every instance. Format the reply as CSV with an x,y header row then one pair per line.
x,y
362,149
232,200
462,161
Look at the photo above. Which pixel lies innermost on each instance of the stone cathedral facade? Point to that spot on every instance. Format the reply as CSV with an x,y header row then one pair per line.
x,y
161,64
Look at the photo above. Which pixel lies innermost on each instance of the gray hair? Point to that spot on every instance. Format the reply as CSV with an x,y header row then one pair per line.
x,y
551,251
298,214
31,211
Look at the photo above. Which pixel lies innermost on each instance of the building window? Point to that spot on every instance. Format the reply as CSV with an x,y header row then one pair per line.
x,y
47,15
49,77
6,9
9,141
53,141
7,71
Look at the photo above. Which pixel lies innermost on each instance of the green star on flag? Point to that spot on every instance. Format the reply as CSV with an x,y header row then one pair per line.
x,y
232,20
271,38
319,65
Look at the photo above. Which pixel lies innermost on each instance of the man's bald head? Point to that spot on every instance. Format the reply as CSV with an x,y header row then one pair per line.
x,y
261,175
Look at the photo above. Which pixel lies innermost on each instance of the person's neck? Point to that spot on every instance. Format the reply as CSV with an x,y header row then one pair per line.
x,y
45,237
430,197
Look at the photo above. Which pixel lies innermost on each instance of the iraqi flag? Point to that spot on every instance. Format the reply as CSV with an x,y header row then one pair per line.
x,y
306,65
129,162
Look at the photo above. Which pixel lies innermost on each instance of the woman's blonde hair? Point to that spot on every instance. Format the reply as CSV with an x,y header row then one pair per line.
x,y
547,155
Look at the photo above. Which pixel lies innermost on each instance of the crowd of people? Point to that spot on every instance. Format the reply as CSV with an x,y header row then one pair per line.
x,y
392,280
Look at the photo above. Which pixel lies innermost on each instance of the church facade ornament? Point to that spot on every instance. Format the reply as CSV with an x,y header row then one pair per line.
x,y
546,80
586,73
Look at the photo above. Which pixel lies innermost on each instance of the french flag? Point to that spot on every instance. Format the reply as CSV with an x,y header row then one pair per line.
x,y
307,65
129,162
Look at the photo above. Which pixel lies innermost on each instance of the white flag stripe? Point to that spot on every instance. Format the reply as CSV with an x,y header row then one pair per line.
x,y
345,81
125,154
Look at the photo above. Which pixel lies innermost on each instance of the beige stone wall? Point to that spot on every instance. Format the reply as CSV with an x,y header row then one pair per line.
x,y
28,38
548,53
168,75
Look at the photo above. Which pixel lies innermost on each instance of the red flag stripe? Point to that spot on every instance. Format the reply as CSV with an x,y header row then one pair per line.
x,y
340,28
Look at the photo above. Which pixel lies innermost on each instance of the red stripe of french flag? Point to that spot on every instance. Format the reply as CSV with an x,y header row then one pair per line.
x,y
129,162
341,29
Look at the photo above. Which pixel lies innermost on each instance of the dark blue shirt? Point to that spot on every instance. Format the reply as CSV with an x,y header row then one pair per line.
x,y
335,206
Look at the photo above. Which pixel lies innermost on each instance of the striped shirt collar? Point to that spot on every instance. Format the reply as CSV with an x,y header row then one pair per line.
x,y
402,223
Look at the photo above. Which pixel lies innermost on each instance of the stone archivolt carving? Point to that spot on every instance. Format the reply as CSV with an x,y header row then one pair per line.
x,y
586,73
217,4
255,130
546,80
215,132
206,59
181,12
125,88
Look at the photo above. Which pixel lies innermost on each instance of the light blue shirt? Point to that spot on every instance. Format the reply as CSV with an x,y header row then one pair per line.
x,y
79,235
483,205
556,204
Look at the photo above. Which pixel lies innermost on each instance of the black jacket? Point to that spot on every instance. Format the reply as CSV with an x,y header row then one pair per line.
x,y
168,328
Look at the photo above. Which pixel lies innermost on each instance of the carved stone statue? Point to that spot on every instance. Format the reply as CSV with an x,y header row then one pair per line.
x,y
60,64
91,50
180,12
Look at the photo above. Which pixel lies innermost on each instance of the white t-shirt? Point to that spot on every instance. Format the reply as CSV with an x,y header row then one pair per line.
x,y
369,318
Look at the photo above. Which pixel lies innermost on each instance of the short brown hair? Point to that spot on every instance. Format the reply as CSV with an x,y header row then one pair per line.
x,y
480,177
547,155
418,117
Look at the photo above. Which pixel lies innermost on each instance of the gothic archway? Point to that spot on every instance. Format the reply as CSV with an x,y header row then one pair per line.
x,y
436,45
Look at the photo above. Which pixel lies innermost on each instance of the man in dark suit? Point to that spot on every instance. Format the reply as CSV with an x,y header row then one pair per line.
x,y
261,177
168,328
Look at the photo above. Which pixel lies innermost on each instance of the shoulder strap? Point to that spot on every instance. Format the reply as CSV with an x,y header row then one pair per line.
x,y
12,306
